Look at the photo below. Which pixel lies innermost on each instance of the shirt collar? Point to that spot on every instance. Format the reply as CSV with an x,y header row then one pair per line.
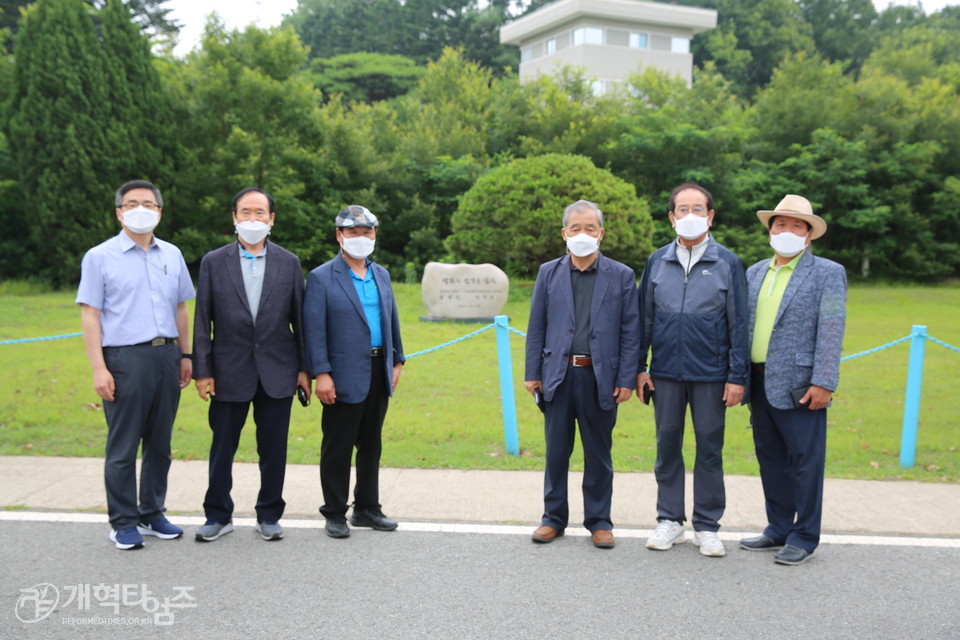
x,y
592,267
790,265
127,243
246,254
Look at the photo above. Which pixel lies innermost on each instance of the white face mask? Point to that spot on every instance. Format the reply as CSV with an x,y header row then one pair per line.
x,y
788,244
141,220
358,247
691,226
253,231
583,245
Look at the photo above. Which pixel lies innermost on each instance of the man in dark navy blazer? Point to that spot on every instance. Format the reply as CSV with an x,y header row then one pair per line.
x,y
248,347
582,355
354,351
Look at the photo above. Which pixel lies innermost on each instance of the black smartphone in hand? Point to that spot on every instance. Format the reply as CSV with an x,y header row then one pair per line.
x,y
303,396
538,398
646,394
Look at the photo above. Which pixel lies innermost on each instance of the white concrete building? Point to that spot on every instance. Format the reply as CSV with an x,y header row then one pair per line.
x,y
611,39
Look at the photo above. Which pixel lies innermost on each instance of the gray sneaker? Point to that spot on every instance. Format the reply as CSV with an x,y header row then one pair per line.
x,y
213,530
667,534
270,530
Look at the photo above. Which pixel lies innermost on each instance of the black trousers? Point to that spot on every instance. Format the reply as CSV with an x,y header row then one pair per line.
x,y
345,426
143,409
575,402
272,417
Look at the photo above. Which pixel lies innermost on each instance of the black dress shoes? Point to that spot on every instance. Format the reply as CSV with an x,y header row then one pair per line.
x,y
791,555
337,527
760,543
372,518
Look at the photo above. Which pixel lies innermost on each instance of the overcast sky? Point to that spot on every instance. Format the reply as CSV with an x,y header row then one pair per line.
x,y
266,13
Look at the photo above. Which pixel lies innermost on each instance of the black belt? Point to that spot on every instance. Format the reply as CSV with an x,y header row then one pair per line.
x,y
759,368
376,352
156,342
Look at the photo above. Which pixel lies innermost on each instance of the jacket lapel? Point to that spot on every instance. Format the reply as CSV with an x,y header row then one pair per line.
x,y
800,274
566,289
345,280
603,281
233,265
270,275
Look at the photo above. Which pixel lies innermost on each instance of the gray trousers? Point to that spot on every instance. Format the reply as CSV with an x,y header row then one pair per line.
x,y
145,403
708,412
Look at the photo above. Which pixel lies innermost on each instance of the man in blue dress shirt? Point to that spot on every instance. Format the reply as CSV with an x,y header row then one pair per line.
x,y
352,332
132,295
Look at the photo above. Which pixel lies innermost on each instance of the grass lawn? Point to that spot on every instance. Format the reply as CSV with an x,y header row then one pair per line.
x,y
446,412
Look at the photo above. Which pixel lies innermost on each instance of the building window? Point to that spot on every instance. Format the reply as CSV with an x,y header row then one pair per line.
x,y
526,54
638,41
587,35
551,46
679,45
596,87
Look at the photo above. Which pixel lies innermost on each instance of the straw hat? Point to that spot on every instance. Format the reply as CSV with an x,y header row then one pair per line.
x,y
796,207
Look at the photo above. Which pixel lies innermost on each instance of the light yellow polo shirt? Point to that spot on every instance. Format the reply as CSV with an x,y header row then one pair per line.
x,y
768,304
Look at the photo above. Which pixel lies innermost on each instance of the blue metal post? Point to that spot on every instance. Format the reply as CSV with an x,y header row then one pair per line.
x,y
911,405
507,399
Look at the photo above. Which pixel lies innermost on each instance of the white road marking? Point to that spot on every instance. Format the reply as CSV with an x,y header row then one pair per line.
x,y
483,529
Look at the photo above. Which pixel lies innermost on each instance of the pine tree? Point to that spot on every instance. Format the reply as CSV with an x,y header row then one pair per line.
x,y
56,133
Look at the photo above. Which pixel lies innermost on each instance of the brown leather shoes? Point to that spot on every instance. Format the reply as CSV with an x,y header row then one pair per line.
x,y
546,534
603,539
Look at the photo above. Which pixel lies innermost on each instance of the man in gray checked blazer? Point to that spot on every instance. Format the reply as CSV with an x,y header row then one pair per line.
x,y
797,306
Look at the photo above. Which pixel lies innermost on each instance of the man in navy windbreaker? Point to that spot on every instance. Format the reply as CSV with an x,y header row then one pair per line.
x,y
694,319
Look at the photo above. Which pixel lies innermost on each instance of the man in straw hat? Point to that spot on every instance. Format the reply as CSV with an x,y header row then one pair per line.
x,y
797,305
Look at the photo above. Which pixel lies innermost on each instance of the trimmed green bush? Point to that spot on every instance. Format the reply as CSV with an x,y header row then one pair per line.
x,y
512,216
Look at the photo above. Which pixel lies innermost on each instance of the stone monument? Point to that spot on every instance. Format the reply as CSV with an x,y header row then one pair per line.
x,y
463,292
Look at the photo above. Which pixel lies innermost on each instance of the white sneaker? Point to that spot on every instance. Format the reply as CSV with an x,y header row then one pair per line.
x,y
667,534
710,543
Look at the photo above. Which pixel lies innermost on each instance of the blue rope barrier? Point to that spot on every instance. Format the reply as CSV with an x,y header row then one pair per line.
x,y
943,344
875,349
452,342
517,331
24,340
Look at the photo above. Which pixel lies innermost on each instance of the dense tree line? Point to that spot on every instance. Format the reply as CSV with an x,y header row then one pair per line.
x,y
866,126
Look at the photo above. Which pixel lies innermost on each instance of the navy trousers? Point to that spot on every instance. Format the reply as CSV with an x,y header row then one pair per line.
x,y
791,448
143,409
576,401
272,417
708,413
345,426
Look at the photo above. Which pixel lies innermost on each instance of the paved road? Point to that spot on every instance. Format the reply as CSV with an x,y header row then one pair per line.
x,y
424,584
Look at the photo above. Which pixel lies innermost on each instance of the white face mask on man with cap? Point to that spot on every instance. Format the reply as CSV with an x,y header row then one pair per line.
x,y
357,231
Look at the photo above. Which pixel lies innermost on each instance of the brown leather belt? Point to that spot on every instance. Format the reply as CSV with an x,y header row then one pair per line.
x,y
581,361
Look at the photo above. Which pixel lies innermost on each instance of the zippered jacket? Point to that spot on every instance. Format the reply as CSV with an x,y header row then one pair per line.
x,y
695,324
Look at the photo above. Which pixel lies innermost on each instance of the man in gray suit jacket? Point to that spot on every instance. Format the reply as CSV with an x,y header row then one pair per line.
x,y
248,347
797,305
352,331
582,352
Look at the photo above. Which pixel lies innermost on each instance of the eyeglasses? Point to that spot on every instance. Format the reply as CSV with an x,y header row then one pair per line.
x,y
682,211
133,204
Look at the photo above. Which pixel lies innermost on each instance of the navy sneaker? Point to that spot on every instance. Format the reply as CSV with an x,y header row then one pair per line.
x,y
160,528
126,538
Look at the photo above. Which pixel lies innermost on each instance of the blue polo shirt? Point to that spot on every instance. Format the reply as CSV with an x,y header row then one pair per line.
x,y
136,291
370,299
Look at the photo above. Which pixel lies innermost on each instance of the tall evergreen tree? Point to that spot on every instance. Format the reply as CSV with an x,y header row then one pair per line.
x,y
78,125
